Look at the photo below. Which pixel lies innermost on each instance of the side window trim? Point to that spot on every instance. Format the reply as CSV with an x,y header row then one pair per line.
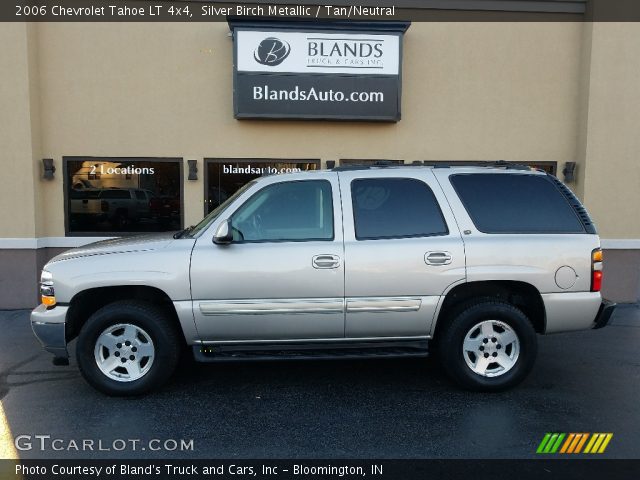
x,y
254,194
358,238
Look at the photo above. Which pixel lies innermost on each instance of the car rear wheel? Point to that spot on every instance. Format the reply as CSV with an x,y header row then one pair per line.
x,y
128,348
487,346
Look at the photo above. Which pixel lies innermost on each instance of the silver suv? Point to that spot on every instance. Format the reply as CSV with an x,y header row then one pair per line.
x,y
468,262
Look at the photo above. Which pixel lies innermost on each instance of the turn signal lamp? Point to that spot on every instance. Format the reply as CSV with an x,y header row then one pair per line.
x,y
49,301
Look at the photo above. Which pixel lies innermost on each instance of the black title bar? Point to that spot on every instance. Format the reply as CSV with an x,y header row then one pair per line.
x,y
339,469
411,10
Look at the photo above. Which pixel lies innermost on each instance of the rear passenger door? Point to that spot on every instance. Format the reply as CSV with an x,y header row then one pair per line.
x,y
402,250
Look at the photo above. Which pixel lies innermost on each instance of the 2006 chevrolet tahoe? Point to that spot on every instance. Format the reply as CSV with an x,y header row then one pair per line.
x,y
470,262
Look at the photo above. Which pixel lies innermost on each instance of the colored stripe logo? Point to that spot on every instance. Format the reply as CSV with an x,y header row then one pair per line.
x,y
574,443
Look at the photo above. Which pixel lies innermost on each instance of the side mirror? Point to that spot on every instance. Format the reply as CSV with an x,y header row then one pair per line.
x,y
224,235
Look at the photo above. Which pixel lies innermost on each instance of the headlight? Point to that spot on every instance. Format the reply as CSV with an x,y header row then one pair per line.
x,y
46,278
47,294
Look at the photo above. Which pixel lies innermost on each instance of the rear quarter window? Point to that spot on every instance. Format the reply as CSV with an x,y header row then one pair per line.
x,y
504,203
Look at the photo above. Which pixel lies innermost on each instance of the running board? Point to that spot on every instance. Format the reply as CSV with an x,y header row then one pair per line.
x,y
310,351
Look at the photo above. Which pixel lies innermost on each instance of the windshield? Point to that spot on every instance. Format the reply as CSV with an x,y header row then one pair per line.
x,y
206,221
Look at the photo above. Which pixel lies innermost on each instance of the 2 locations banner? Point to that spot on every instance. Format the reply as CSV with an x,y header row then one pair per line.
x,y
317,74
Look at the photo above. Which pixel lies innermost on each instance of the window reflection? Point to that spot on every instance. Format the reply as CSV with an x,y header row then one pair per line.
x,y
225,177
113,195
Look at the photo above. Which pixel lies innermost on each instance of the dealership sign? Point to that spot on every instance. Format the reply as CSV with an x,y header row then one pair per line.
x,y
318,73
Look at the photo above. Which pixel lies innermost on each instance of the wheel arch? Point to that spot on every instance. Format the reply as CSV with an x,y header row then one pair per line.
x,y
522,295
86,302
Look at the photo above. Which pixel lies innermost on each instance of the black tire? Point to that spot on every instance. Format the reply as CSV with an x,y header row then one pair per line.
x,y
153,320
452,335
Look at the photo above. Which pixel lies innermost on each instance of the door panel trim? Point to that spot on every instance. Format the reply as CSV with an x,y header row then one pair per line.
x,y
310,305
383,304
272,306
314,340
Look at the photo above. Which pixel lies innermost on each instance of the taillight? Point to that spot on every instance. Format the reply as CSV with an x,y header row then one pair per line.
x,y
596,270
104,206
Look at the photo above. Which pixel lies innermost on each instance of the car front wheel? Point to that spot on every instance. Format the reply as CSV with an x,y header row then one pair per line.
x,y
128,348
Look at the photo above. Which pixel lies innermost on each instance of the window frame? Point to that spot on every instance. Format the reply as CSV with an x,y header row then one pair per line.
x,y
66,191
445,233
539,232
257,192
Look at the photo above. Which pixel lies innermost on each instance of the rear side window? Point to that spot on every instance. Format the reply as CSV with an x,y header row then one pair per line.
x,y
395,208
502,203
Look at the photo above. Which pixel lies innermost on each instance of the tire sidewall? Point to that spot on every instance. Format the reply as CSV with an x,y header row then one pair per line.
x,y
451,349
147,319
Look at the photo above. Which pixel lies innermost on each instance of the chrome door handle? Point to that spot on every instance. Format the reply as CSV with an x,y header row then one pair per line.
x,y
326,261
437,258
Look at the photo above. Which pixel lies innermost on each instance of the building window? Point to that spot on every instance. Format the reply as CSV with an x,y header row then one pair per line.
x,y
223,177
549,167
120,196
395,208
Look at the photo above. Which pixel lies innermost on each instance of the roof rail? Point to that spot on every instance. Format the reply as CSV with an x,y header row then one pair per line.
x,y
366,166
437,164
346,168
507,165
476,163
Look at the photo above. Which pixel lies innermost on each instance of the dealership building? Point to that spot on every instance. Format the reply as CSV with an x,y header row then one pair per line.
x,y
112,129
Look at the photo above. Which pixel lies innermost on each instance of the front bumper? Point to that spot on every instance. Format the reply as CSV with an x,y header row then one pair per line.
x,y
604,314
48,326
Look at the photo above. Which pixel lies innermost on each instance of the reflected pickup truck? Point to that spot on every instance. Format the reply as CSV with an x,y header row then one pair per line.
x,y
469,263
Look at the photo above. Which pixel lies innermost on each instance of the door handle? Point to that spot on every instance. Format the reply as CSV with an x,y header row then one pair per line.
x,y
326,261
437,258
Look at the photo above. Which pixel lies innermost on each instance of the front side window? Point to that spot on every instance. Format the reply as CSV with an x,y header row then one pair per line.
x,y
395,208
288,211
118,196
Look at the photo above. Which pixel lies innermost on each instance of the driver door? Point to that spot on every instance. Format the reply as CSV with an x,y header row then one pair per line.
x,y
282,277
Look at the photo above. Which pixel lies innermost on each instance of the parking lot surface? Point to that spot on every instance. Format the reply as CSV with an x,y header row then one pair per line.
x,y
582,382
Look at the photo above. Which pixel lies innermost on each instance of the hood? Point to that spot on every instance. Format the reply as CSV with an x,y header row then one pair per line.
x,y
135,243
